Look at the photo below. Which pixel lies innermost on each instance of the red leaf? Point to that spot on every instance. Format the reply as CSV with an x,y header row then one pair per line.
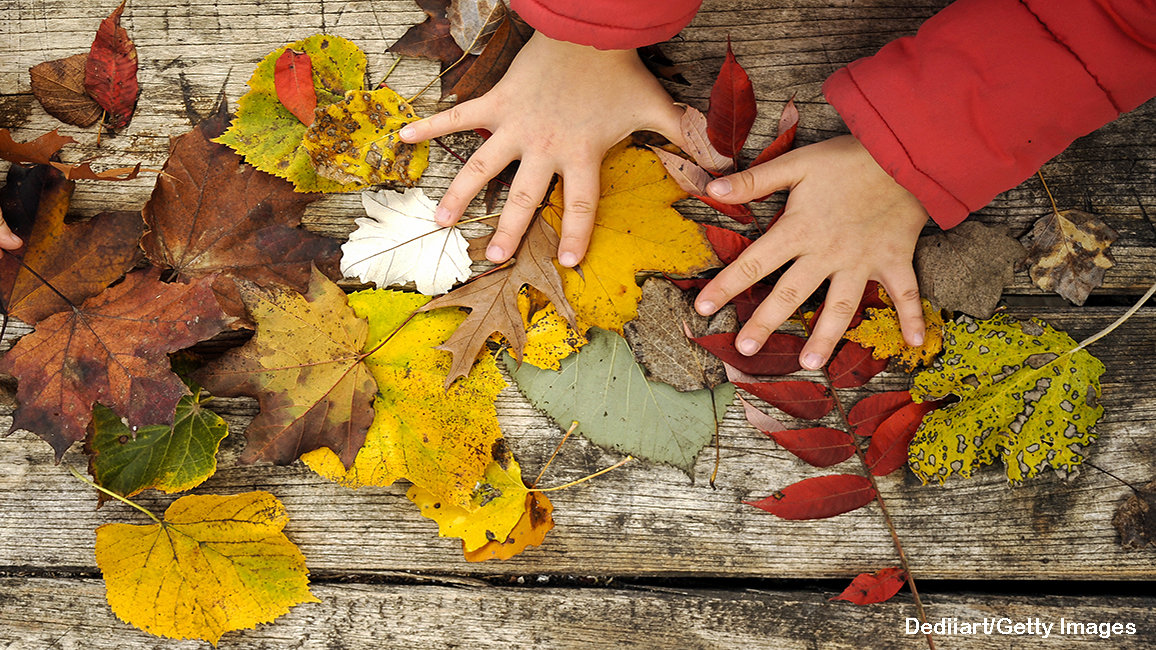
x,y
778,356
732,107
727,244
293,78
869,412
110,72
819,497
888,450
878,587
740,212
760,420
689,283
788,125
749,300
854,366
819,447
802,399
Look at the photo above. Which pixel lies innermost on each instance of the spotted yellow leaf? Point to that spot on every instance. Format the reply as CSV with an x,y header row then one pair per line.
x,y
880,331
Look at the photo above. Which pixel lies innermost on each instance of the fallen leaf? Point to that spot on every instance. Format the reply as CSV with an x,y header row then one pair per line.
x,y
880,331
505,43
293,80
472,22
635,230
606,392
889,442
854,366
662,348
819,497
110,70
1067,252
84,172
211,214
878,587
355,141
788,126
818,446
869,412
59,87
530,530
801,399
760,419
20,198
492,299
36,152
966,268
1135,519
549,338
694,132
661,66
778,356
305,368
691,178
732,107
727,244
440,439
1024,398
432,39
399,242
216,564
167,458
113,350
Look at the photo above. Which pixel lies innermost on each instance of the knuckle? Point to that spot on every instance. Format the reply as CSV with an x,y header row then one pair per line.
x,y
522,199
842,308
749,270
910,294
787,296
579,207
455,118
478,167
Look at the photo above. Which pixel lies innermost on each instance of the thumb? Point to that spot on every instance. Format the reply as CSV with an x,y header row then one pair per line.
x,y
754,183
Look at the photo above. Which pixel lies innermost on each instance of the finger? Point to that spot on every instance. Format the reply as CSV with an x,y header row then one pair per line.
x,y
487,162
789,292
756,262
666,120
761,180
463,117
8,240
581,189
904,291
838,309
526,192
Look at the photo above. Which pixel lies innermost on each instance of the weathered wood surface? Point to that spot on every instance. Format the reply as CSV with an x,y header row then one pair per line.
x,y
639,520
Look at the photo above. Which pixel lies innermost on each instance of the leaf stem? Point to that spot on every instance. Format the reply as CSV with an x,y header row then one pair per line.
x,y
1119,321
391,69
1055,209
465,53
114,495
573,427
585,478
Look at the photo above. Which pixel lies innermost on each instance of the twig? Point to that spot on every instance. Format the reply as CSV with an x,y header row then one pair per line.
x,y
114,495
1119,321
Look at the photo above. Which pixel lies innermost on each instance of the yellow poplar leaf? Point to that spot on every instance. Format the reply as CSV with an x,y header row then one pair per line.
x,y
215,564
497,505
437,438
549,338
635,229
530,530
355,141
880,331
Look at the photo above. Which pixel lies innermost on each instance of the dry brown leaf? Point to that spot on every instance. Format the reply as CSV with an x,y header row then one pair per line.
x,y
59,87
1068,253
1136,519
966,268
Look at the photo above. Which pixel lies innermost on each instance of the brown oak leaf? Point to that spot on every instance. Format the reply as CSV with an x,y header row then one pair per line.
x,y
1068,253
966,268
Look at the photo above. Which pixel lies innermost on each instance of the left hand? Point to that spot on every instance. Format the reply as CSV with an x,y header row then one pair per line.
x,y
847,221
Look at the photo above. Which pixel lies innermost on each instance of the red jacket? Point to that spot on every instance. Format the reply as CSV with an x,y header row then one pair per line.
x,y
971,106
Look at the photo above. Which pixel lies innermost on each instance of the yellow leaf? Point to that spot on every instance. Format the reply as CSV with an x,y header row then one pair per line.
x,y
530,530
216,564
880,331
437,438
549,338
635,229
355,141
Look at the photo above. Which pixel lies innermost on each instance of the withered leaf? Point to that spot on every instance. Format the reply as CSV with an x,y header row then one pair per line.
x,y
37,152
110,70
504,45
1067,252
432,40
1136,519
661,346
966,268
59,87
473,21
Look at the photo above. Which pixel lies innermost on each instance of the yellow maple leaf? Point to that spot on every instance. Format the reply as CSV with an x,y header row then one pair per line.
x,y
635,229
880,331
549,338
215,564
437,438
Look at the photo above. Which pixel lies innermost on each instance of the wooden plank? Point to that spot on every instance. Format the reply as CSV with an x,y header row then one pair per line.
x,y
68,613
190,52
654,520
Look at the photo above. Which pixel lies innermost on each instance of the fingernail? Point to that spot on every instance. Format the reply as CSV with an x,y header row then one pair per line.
x,y
719,187
568,259
408,133
706,307
495,254
812,361
917,339
747,347
442,216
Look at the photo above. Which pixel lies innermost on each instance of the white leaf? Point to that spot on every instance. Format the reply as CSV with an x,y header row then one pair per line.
x,y
698,143
400,241
473,21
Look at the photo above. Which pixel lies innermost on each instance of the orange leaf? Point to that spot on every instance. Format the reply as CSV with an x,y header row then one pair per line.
x,y
110,72
293,78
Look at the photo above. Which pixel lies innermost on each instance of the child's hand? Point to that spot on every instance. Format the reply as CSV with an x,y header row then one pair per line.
x,y
846,220
8,241
558,109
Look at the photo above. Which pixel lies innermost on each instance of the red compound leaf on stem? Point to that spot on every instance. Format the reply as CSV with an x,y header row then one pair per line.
x,y
778,356
727,244
878,587
888,450
854,366
819,497
802,399
818,447
869,412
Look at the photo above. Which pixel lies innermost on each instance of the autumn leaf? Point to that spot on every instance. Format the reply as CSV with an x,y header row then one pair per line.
x,y
1135,519
293,80
505,43
77,260
758,418
20,197
606,392
880,331
211,214
432,39
110,70
802,399
869,412
778,356
168,458
399,242
492,299
727,244
788,126
889,440
113,350
818,446
549,338
1067,252
854,366
530,530
699,146
472,22
214,565
439,439
966,268
819,497
878,587
268,136
355,142
732,107
59,87
1025,397
36,152
635,229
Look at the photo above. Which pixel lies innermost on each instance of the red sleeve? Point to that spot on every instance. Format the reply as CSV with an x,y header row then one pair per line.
x,y
608,24
989,90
